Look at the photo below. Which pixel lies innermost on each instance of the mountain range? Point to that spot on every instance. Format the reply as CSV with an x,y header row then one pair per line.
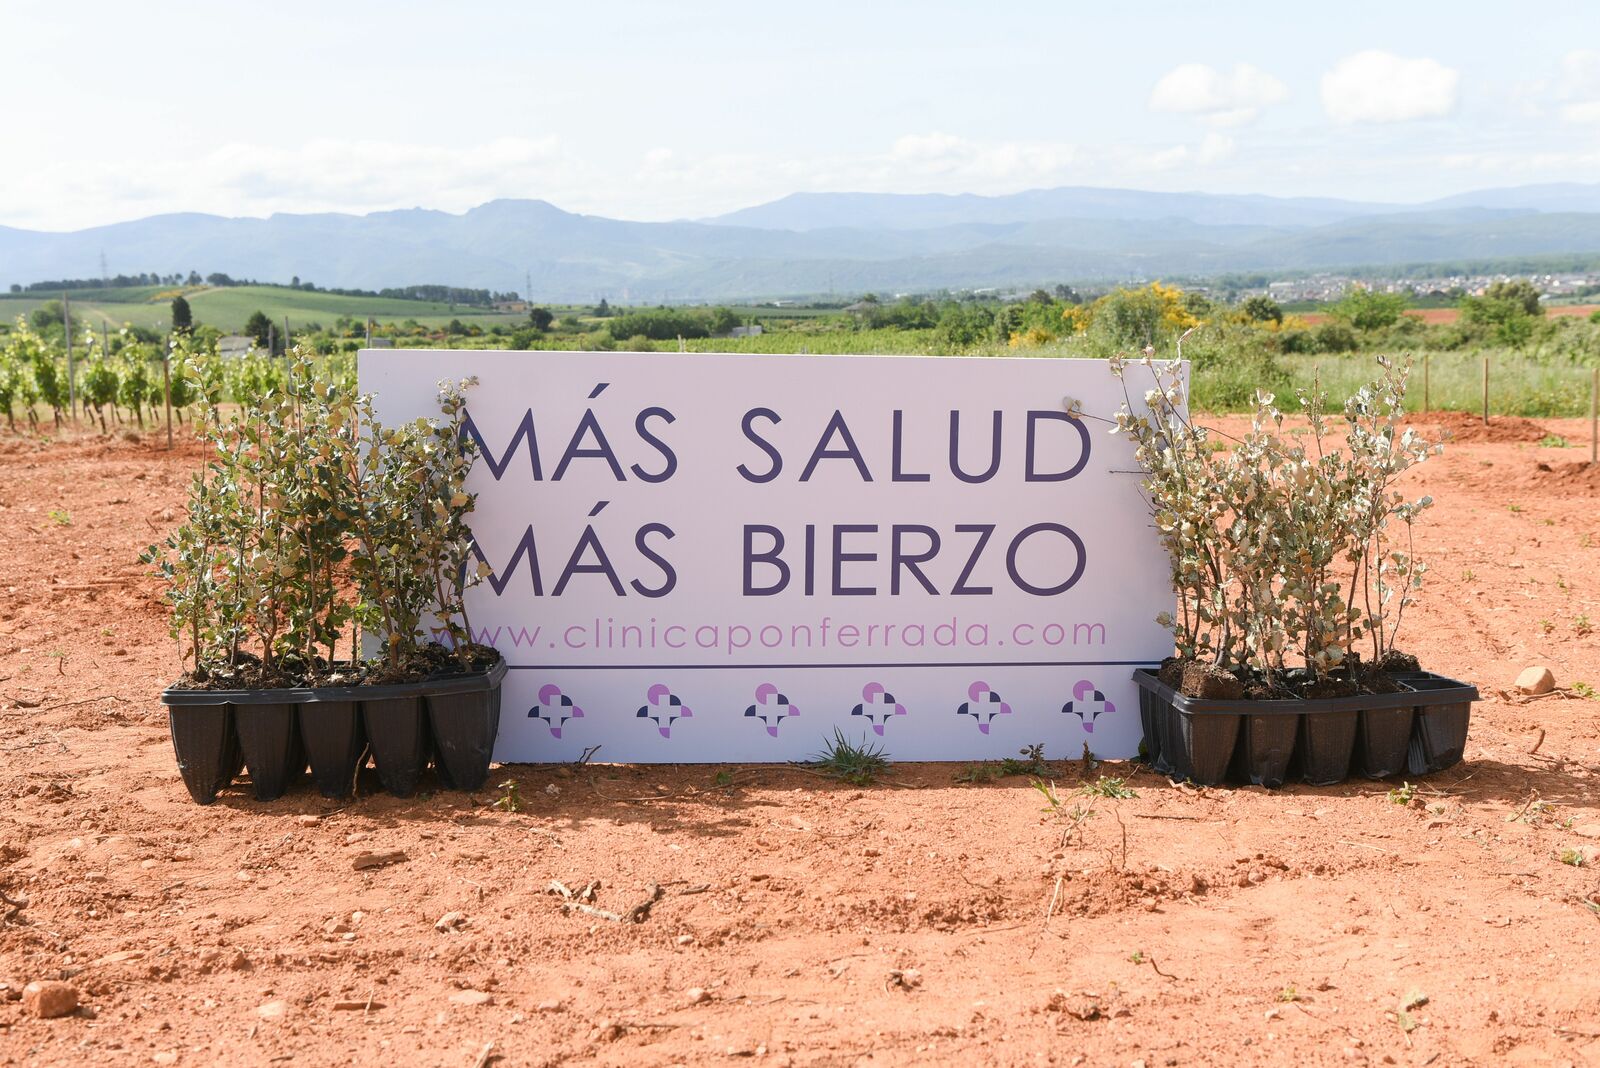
x,y
816,243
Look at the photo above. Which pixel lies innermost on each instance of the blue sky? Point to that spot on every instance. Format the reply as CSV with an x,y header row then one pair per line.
x,y
680,110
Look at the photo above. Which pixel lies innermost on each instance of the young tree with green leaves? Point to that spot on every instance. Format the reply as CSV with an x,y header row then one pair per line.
x,y
182,317
1367,309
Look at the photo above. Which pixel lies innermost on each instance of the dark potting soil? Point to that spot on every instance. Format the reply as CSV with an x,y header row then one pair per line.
x,y
432,661
1395,660
1313,689
1210,682
1199,679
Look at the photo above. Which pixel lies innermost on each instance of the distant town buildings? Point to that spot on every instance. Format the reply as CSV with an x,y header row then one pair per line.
x,y
235,345
1329,287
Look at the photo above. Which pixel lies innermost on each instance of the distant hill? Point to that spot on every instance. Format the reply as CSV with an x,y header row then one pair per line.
x,y
1562,196
828,242
899,211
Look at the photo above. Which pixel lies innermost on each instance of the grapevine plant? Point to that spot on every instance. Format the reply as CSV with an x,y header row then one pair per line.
x,y
315,533
1292,551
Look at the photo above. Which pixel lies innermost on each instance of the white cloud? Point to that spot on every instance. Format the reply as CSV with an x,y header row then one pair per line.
x,y
1524,166
1213,148
325,174
944,155
1376,86
654,182
1221,99
1579,86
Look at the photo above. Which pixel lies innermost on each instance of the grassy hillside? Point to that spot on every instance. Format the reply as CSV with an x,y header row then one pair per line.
x,y
228,308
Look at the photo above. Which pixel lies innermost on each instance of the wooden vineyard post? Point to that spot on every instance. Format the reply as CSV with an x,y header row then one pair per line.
x,y
72,378
1425,383
1594,417
1486,391
166,387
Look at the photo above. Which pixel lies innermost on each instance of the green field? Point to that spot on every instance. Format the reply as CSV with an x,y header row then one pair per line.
x,y
228,307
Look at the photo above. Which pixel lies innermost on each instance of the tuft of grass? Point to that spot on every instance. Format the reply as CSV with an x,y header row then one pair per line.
x,y
857,764
1513,507
1581,689
1116,789
1075,818
1533,813
60,517
1547,625
1468,575
722,778
1414,1000
1574,857
1553,441
1582,626
1031,761
509,800
1288,993
1403,794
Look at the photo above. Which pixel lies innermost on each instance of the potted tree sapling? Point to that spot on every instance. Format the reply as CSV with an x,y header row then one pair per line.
x,y
413,565
309,525
1293,561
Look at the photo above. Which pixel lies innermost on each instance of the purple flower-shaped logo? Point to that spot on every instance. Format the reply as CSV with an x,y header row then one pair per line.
x,y
983,704
663,707
771,707
1087,703
554,709
877,705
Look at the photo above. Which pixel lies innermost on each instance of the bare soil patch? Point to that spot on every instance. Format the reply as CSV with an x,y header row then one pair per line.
x,y
1469,426
793,920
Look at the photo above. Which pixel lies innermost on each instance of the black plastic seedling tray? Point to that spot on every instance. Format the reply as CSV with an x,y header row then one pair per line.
x,y
275,733
1322,741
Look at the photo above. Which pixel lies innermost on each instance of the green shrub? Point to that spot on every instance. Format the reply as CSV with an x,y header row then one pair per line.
x,y
1335,336
312,521
1280,544
660,324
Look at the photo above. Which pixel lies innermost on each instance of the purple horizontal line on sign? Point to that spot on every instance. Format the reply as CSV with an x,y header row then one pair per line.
x,y
813,667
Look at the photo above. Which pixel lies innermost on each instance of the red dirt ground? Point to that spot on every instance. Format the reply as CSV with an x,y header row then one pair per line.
x,y
1191,927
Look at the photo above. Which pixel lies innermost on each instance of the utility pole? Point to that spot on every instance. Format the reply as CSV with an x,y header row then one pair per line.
x,y
369,333
72,384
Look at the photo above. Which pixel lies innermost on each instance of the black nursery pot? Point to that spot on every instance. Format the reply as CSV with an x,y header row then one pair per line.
x,y
464,727
207,748
1266,748
1154,722
335,727
336,744
270,738
1422,728
397,732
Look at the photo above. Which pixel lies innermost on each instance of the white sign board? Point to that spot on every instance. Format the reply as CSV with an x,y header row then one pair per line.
x,y
715,557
